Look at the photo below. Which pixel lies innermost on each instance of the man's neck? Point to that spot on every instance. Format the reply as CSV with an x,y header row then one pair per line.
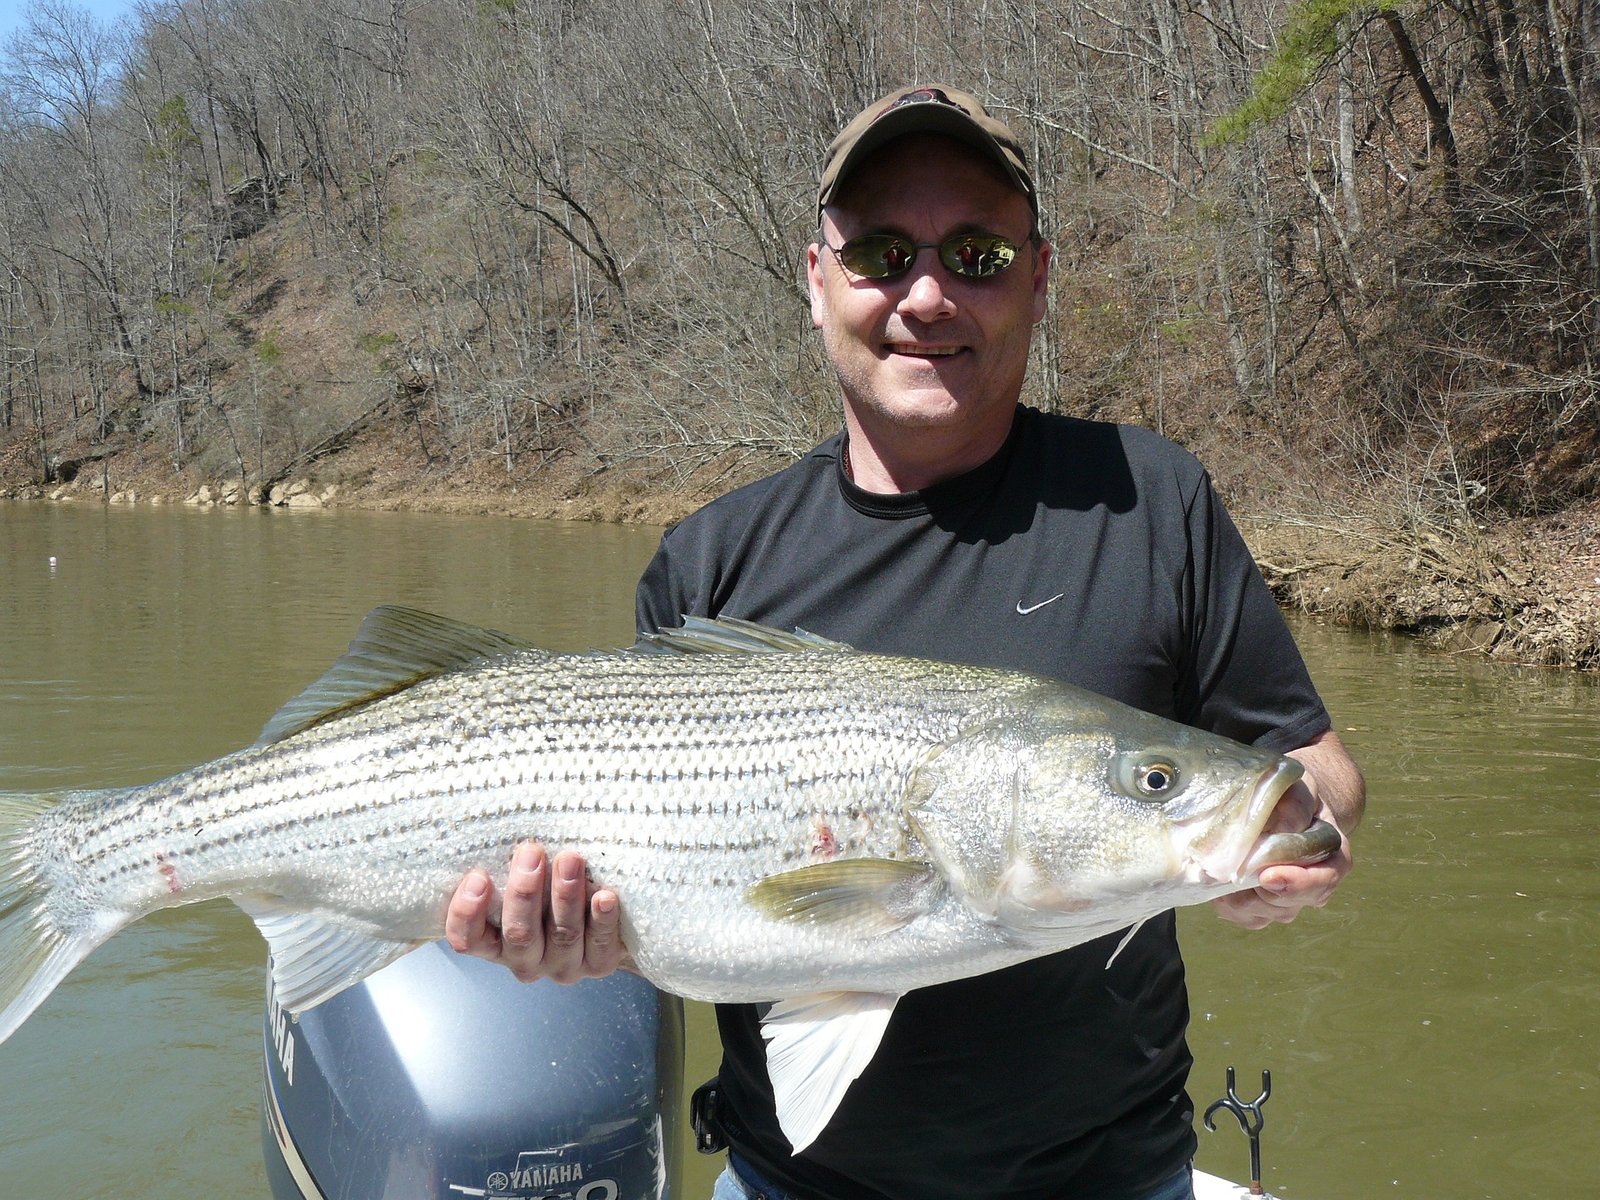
x,y
888,462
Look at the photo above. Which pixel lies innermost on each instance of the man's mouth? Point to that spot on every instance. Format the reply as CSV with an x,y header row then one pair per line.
x,y
919,351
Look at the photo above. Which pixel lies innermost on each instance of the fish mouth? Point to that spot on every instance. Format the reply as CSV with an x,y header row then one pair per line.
x,y
1310,846
1236,855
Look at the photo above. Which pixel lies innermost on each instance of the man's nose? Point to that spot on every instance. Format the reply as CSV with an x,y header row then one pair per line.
x,y
926,298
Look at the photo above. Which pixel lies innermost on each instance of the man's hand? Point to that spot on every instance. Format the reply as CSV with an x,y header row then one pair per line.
x,y
553,923
1284,890
1332,790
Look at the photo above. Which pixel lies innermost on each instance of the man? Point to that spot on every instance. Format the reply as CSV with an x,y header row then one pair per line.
x,y
949,522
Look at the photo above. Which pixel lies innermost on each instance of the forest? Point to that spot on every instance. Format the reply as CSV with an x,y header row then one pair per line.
x,y
438,250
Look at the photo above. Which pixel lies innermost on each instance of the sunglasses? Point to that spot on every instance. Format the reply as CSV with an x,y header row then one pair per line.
x,y
886,255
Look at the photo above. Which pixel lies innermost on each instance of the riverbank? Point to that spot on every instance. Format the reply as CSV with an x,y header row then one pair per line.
x,y
1521,591
1524,591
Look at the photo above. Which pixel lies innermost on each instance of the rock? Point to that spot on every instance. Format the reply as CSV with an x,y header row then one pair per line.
x,y
282,493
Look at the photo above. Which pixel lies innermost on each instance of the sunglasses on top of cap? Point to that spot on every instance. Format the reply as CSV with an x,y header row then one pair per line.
x,y
888,255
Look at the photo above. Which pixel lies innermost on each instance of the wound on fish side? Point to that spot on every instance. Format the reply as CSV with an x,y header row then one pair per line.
x,y
168,872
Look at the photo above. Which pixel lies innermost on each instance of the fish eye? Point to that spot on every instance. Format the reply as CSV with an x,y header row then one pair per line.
x,y
1150,777
1156,779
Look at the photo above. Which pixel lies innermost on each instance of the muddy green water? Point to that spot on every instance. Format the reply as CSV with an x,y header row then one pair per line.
x,y
1433,1033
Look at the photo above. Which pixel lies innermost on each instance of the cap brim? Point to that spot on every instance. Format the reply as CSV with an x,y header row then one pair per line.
x,y
921,118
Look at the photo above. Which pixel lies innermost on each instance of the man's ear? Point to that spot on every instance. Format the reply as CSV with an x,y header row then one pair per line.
x,y
1041,280
814,282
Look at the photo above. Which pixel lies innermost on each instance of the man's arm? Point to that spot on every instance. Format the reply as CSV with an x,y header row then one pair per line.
x,y
553,922
1333,790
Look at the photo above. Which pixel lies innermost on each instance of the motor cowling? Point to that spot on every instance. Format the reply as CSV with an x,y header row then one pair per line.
x,y
441,1077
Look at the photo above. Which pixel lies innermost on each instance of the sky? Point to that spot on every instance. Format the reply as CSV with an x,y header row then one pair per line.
x,y
13,12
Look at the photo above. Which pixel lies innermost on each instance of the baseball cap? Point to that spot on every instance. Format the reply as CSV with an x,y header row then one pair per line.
x,y
929,108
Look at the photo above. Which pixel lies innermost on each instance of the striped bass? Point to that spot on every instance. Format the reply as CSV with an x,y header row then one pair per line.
x,y
784,818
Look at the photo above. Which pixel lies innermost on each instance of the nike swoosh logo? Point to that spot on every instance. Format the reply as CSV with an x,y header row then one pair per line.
x,y
1036,607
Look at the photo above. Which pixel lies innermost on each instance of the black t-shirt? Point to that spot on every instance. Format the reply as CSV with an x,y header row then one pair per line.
x,y
1096,554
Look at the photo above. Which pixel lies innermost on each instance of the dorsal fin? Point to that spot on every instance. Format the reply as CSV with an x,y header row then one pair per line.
x,y
731,635
394,648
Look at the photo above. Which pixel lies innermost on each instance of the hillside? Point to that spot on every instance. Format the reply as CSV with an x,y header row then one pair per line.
x,y
453,255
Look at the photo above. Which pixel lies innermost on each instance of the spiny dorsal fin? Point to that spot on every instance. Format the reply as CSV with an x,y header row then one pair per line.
x,y
731,635
394,648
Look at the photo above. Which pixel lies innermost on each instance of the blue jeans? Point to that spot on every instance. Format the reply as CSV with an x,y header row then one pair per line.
x,y
745,1184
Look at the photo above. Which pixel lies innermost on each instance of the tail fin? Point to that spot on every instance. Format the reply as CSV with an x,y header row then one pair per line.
x,y
36,952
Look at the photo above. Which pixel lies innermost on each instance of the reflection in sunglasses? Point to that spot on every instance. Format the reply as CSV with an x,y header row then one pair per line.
x,y
885,256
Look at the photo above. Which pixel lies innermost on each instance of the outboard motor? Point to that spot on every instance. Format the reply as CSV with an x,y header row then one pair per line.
x,y
441,1077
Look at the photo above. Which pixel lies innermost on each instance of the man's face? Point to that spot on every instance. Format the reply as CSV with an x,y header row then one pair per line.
x,y
929,349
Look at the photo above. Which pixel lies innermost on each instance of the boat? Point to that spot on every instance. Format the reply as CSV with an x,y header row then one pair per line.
x,y
1210,1187
443,1078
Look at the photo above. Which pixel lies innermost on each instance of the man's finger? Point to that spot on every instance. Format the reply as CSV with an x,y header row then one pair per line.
x,y
1254,910
466,921
603,951
522,911
1294,811
1283,893
569,908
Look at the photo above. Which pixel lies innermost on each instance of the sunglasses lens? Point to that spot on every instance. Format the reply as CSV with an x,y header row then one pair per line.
x,y
878,255
883,255
977,255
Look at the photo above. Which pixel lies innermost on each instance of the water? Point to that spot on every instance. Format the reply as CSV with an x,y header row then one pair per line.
x,y
1430,1034
1433,1033
134,643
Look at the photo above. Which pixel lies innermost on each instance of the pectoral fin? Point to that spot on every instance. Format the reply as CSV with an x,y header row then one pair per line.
x,y
817,1045
314,958
868,895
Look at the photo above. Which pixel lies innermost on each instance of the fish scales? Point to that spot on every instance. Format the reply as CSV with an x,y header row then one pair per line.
x,y
782,817
400,745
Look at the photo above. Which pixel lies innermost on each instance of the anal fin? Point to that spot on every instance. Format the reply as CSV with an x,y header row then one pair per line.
x,y
314,957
